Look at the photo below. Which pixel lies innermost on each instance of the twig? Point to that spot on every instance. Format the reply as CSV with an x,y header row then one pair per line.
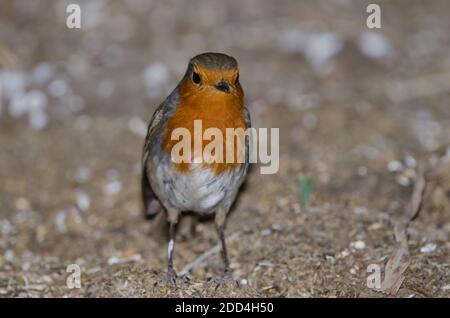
x,y
400,260
207,254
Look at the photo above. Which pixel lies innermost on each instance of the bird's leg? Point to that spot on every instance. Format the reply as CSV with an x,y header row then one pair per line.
x,y
226,261
220,225
171,273
171,276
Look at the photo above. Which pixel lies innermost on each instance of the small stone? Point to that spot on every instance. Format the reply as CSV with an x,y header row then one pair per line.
x,y
83,200
276,227
113,187
403,180
358,245
9,256
395,166
22,204
83,122
360,210
138,126
410,162
373,45
330,259
428,248
58,88
82,174
362,171
60,221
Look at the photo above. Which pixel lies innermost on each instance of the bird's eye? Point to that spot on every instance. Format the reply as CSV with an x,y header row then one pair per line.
x,y
196,78
236,80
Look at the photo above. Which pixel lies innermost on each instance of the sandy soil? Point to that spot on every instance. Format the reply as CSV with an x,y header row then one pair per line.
x,y
73,115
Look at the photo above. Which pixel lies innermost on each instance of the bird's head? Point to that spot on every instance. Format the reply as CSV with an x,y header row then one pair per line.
x,y
213,74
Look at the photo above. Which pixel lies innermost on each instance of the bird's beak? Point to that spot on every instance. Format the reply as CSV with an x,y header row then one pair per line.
x,y
223,86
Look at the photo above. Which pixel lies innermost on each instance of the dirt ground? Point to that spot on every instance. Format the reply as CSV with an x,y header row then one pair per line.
x,y
358,111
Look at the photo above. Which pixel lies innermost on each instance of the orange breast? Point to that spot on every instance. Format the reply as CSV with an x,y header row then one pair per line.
x,y
215,109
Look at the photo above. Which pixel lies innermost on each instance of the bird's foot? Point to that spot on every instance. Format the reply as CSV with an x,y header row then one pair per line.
x,y
225,280
169,278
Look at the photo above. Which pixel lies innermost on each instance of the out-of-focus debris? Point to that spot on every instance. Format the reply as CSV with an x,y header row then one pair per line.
x,y
22,204
428,248
9,256
138,126
395,166
318,48
373,45
404,170
7,58
155,76
126,257
112,187
82,174
83,200
38,287
60,221
358,245
360,210
426,86
362,171
305,189
330,259
410,161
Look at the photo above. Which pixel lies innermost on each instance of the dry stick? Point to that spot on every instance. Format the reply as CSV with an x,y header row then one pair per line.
x,y
198,261
400,260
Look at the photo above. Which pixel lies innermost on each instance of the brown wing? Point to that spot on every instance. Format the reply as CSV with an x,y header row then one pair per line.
x,y
151,203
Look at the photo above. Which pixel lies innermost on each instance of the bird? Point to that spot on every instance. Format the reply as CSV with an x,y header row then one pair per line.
x,y
209,91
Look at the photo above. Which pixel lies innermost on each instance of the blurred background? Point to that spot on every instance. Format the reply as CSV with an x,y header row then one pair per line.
x,y
358,110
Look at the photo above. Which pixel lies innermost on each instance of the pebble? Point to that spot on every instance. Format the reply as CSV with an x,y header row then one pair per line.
x,y
112,187
82,174
60,221
58,88
403,180
43,72
330,259
155,76
9,256
373,45
138,126
358,245
410,162
395,166
83,200
428,248
22,204
362,171
83,122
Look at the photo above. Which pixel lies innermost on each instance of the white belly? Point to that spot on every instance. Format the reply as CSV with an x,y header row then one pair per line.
x,y
199,190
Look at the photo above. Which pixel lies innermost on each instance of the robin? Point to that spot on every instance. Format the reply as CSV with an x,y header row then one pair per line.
x,y
210,91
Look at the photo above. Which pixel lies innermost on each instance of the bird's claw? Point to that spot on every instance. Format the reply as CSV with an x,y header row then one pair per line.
x,y
226,279
170,278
